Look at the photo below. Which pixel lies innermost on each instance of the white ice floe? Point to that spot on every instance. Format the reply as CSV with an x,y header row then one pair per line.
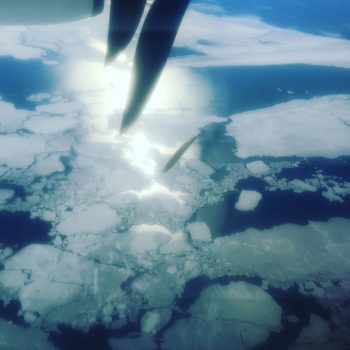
x,y
237,316
142,239
200,167
96,218
248,200
11,39
20,151
43,277
303,251
59,107
300,186
149,321
53,284
304,128
49,165
331,196
6,195
45,124
257,167
11,118
38,97
199,231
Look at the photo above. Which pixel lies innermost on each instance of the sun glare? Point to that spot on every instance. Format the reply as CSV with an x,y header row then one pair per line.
x,y
138,153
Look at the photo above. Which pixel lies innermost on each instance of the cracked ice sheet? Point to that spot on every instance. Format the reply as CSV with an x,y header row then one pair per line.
x,y
302,128
290,252
51,290
286,246
41,150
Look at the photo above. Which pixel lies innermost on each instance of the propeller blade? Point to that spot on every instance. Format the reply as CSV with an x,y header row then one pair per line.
x,y
179,153
156,40
125,15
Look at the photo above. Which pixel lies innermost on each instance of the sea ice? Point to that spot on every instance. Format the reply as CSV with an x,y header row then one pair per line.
x,y
248,200
199,231
302,128
11,118
237,316
13,337
149,321
20,150
6,195
258,167
96,218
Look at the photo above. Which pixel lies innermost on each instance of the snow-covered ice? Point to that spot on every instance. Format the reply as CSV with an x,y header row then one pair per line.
x,y
257,167
304,128
248,200
6,195
199,231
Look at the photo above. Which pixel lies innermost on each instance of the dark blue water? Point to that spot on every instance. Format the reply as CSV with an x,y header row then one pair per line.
x,y
9,312
310,16
293,303
307,168
21,78
19,191
275,208
240,89
18,229
69,338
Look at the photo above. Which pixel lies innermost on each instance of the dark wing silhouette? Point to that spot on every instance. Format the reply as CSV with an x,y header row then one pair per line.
x,y
124,18
156,40
178,154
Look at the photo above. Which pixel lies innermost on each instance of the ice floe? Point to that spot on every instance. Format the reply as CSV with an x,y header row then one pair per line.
x,y
199,231
257,167
45,124
21,151
6,195
237,316
248,200
93,219
247,40
11,118
304,128
149,321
